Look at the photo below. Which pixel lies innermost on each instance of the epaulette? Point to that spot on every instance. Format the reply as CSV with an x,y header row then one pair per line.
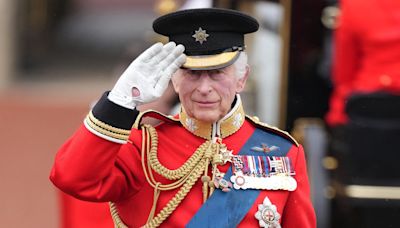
x,y
156,115
273,129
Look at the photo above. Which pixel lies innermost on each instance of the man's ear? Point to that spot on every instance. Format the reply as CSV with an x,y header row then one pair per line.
x,y
242,81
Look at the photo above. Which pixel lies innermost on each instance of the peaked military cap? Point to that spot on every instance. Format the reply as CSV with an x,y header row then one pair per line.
x,y
213,37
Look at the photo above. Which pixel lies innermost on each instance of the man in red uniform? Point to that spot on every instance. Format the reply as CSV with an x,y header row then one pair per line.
x,y
209,166
364,113
366,53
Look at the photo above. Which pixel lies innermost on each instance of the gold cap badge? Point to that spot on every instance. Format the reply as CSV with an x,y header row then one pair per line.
x,y
200,35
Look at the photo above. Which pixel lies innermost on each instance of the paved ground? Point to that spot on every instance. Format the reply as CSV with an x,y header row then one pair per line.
x,y
34,122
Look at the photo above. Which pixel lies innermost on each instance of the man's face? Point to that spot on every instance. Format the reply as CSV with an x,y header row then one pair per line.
x,y
207,95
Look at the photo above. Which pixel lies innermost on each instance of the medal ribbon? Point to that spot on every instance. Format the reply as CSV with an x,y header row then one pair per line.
x,y
262,166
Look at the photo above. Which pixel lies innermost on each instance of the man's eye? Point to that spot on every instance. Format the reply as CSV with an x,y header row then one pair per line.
x,y
216,74
196,72
192,74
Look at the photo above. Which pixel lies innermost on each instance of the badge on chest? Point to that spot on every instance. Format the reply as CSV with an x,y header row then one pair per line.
x,y
268,215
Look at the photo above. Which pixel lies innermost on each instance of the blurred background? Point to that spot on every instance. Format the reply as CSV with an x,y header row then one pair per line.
x,y
57,58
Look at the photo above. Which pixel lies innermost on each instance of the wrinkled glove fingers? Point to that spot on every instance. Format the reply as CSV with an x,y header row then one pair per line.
x,y
166,50
168,61
175,65
148,54
171,58
167,73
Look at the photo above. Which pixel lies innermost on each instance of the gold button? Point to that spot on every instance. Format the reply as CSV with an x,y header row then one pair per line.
x,y
329,163
329,192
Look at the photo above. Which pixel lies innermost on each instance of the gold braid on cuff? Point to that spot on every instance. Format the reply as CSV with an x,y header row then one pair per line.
x,y
106,129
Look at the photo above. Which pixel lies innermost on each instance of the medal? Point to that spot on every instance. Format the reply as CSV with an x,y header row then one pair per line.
x,y
292,184
226,155
262,172
221,183
239,181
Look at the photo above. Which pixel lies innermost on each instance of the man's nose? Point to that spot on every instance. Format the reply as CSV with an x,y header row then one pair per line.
x,y
204,83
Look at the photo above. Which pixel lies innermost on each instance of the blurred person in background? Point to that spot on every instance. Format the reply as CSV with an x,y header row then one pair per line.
x,y
364,113
208,166
366,53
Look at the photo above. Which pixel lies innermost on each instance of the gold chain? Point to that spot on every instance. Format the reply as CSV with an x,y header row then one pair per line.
x,y
181,171
151,133
187,174
114,214
179,196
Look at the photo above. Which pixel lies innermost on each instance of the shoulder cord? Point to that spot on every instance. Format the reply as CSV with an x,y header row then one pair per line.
x,y
188,173
114,214
181,171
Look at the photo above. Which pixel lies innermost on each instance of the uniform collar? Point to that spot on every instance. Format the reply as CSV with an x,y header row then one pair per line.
x,y
225,127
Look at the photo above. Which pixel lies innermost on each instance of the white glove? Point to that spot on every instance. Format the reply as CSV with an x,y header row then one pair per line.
x,y
147,77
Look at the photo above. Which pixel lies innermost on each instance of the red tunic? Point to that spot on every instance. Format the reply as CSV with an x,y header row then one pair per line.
x,y
366,52
92,168
83,214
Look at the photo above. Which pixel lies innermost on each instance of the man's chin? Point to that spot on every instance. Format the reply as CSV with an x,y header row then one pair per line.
x,y
207,117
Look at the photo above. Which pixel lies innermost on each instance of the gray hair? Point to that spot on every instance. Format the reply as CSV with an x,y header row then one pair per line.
x,y
241,64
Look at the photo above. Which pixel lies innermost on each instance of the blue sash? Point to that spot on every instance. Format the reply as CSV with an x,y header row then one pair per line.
x,y
227,209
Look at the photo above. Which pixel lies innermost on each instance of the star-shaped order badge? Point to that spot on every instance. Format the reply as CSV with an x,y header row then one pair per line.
x,y
226,155
268,215
200,35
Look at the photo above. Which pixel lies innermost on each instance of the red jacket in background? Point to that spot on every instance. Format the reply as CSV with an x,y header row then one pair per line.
x,y
366,52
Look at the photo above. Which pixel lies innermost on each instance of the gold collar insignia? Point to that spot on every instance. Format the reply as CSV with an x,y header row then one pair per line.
x,y
225,127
